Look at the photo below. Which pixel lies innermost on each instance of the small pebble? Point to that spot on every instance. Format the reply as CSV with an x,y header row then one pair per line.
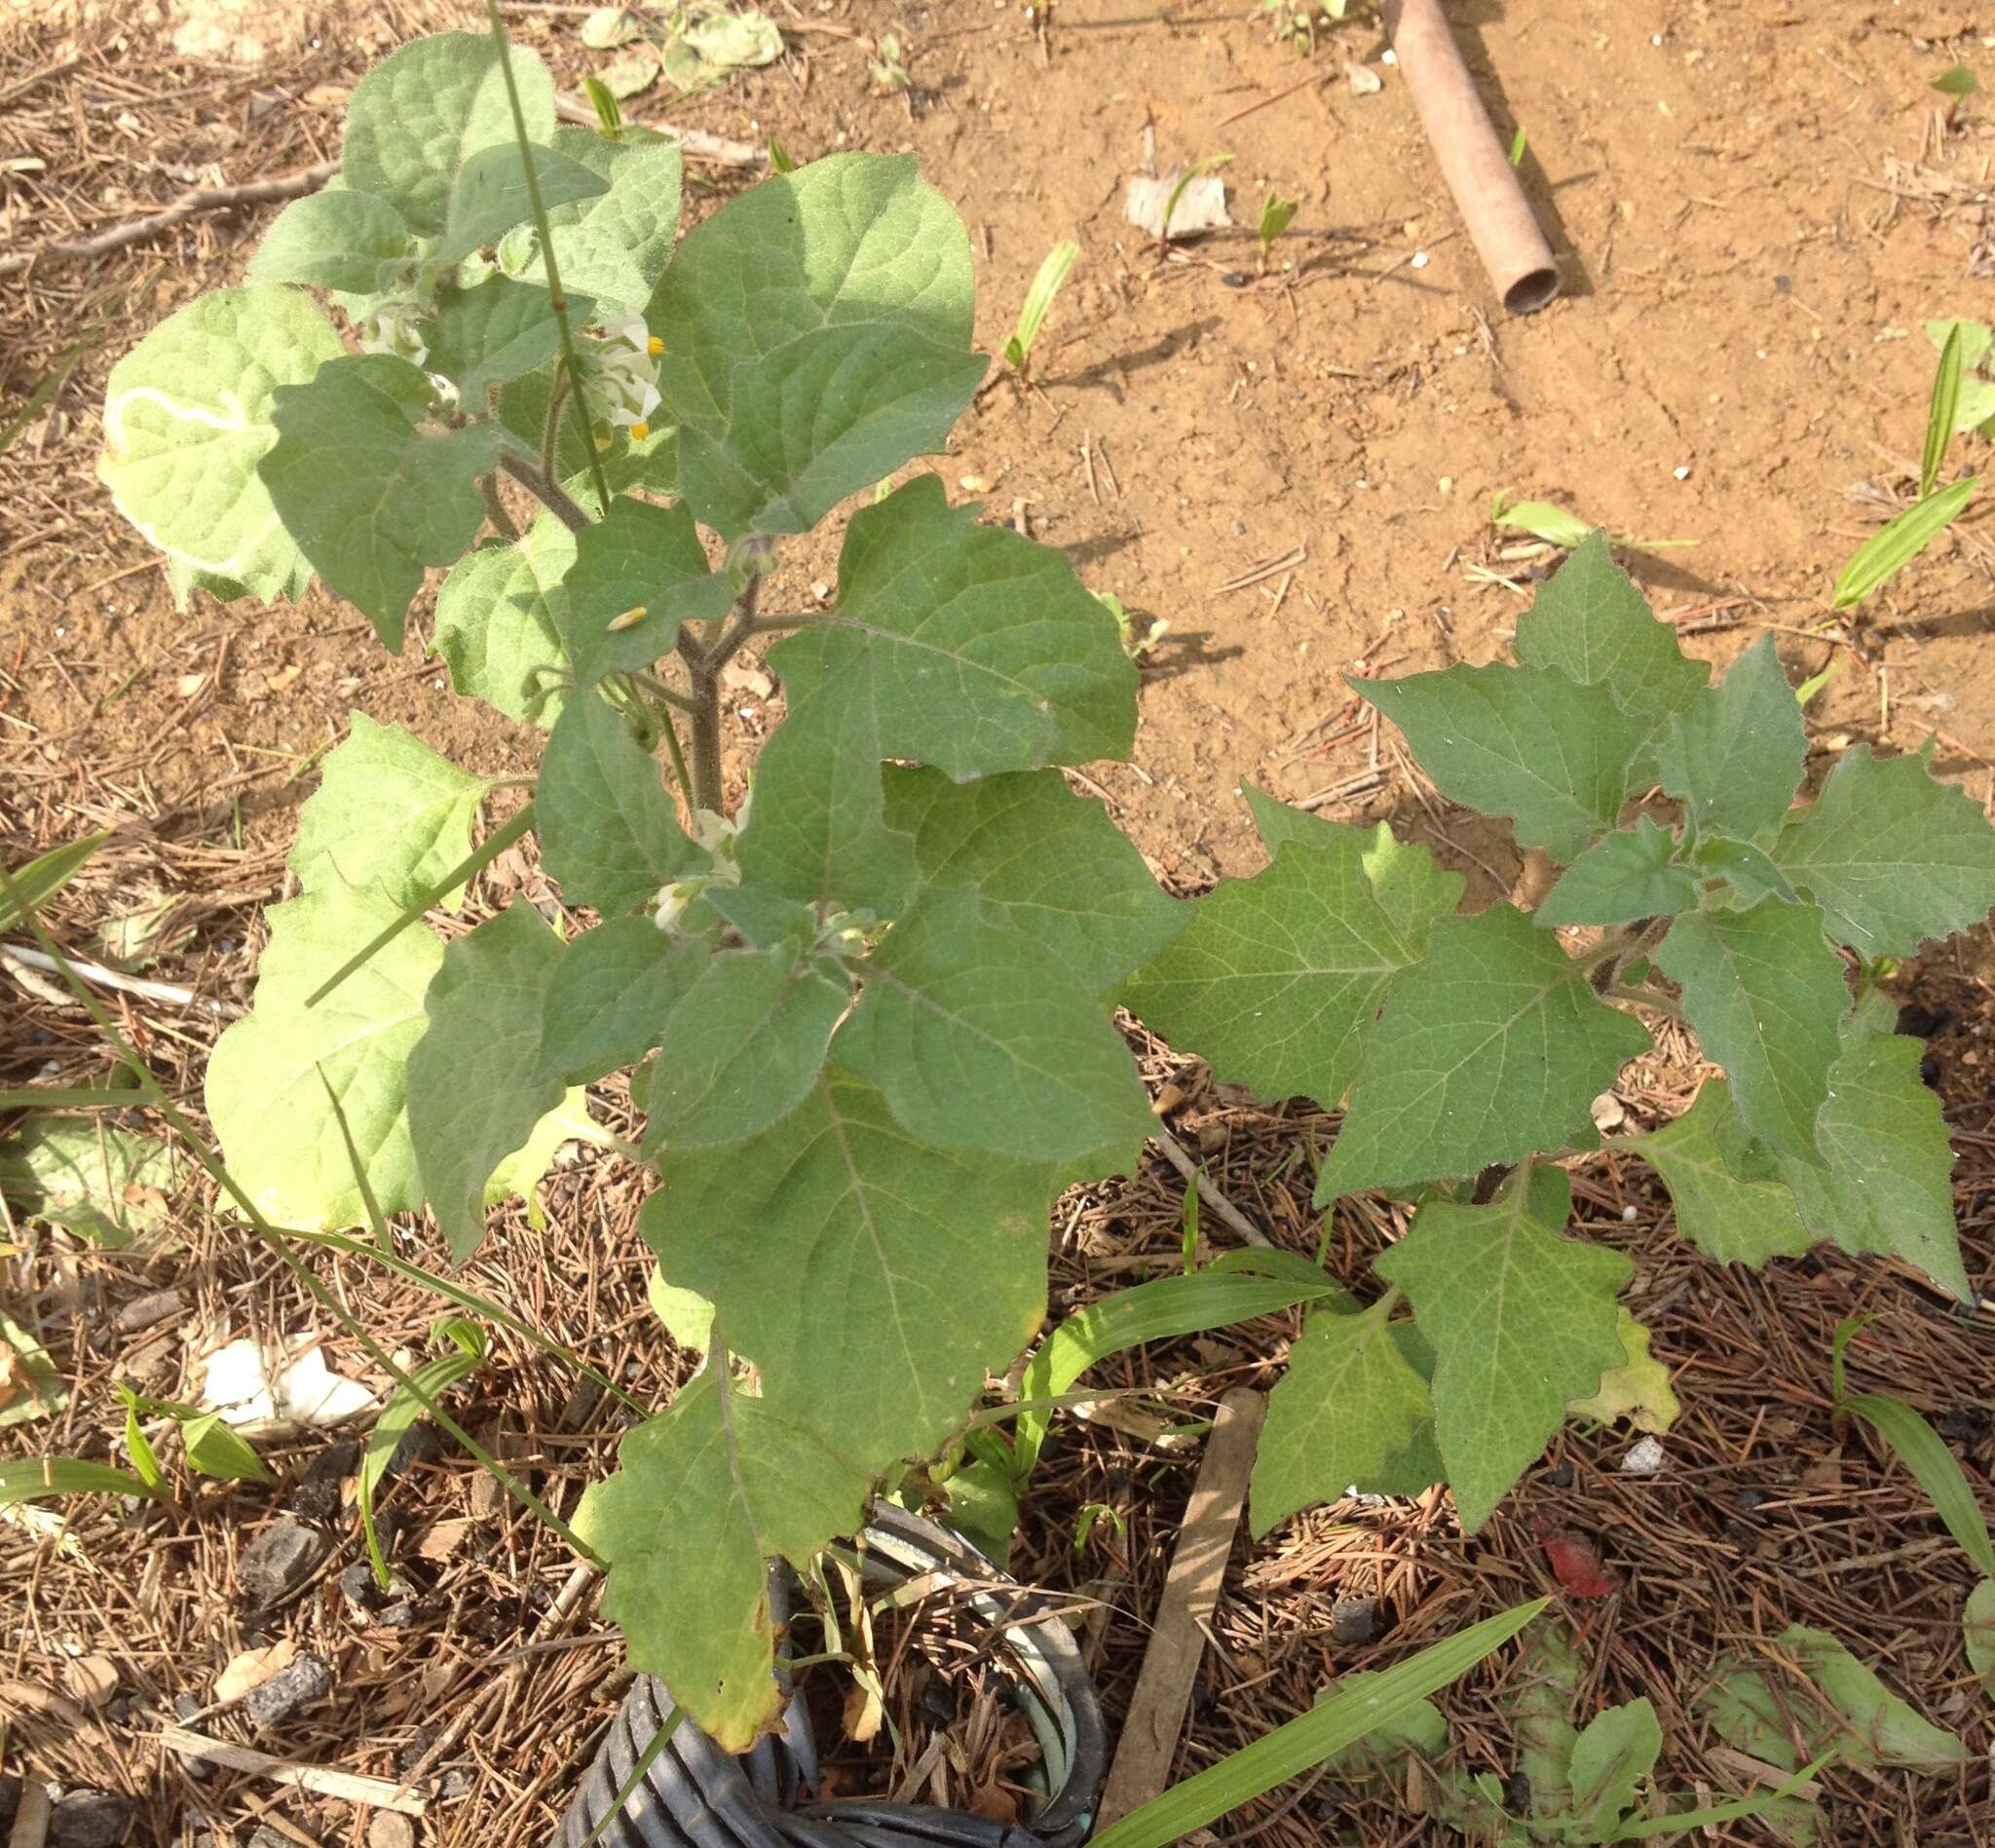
x,y
389,1830
1354,1621
91,1819
1419,261
155,1306
1644,1458
1681,472
281,1558
305,1679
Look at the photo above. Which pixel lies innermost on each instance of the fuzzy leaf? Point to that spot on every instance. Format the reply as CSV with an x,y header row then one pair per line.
x,y
608,1002
640,556
344,241
1880,1728
1521,1321
498,620
608,830
1527,743
1626,875
488,196
1281,974
420,114
1734,754
370,498
742,1045
615,248
1749,870
1637,1390
1492,1048
1592,624
1764,990
189,414
1347,1407
1725,1215
1044,860
1891,855
979,1044
498,331
485,1011
389,813
1610,1758
277,1129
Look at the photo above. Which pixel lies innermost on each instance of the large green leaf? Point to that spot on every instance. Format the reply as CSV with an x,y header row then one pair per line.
x,y
1879,1727
703,1495
638,557
1521,1321
1280,975
834,1234
608,829
978,1044
420,114
1891,855
484,1009
615,248
742,1045
389,813
498,621
278,1130
1592,624
1734,754
1527,743
1347,1407
109,1186
1610,1758
488,196
1724,1215
372,498
608,1002
1764,990
1492,1048
189,413
350,241
1044,860
1623,876
498,331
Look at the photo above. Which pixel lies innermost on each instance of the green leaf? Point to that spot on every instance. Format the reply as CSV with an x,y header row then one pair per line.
x,y
1637,1390
1052,273
704,1492
1542,519
1978,1626
821,417
1749,870
743,1044
420,114
498,331
1764,990
1893,855
1734,754
370,498
1626,875
1724,1214
608,830
40,879
344,241
1924,1451
31,1385
1882,1729
1325,1729
488,196
279,1133
498,621
1044,860
1492,1048
1592,624
610,996
35,1478
1521,1321
1895,545
1886,1182
1941,410
389,813
109,1186
978,1044
1348,1405
430,1380
484,1013
1281,974
1526,742
1957,81
639,556
1610,1758
189,414
214,1449
875,1229
615,248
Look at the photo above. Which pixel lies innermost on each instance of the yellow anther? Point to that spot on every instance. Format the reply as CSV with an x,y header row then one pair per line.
x,y
639,431
654,346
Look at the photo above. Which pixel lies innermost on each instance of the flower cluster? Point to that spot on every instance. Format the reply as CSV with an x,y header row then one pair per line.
x,y
622,370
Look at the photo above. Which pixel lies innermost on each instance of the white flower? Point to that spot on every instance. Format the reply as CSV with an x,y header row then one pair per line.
x,y
393,327
622,365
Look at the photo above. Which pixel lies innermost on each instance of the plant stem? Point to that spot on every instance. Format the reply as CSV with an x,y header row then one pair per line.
x,y
706,727
1644,998
661,690
494,510
555,298
545,490
677,754
550,432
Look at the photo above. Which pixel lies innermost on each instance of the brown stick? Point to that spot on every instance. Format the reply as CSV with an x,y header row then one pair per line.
x,y
253,192
1149,1744
1472,159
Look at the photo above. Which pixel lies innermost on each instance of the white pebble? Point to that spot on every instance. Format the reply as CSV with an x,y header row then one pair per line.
x,y
1644,1458
1681,472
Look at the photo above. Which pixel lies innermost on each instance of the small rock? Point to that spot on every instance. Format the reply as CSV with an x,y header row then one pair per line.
x,y
91,1819
281,1558
253,1668
265,1837
318,1494
150,1309
1559,1476
389,1830
398,1616
186,1709
1363,82
306,1680
1747,1500
1644,1458
1354,1621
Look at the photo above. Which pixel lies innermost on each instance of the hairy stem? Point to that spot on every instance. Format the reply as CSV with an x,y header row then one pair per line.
x,y
495,509
550,432
545,490
706,727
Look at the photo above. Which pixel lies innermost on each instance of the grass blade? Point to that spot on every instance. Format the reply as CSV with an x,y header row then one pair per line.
x,y
432,1378
1941,411
30,1478
47,1098
1018,349
1894,545
1736,1811
1325,1730
1924,1451
42,879
646,1758
1185,179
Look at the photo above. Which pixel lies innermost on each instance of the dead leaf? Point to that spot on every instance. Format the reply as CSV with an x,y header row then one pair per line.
x,y
253,1668
92,1678
863,1713
30,1697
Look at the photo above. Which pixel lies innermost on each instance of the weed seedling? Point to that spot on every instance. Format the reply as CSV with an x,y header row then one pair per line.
x,y
1276,214
889,71
1018,349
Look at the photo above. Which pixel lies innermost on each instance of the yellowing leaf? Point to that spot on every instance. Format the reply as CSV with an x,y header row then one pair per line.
x,y
1637,1390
